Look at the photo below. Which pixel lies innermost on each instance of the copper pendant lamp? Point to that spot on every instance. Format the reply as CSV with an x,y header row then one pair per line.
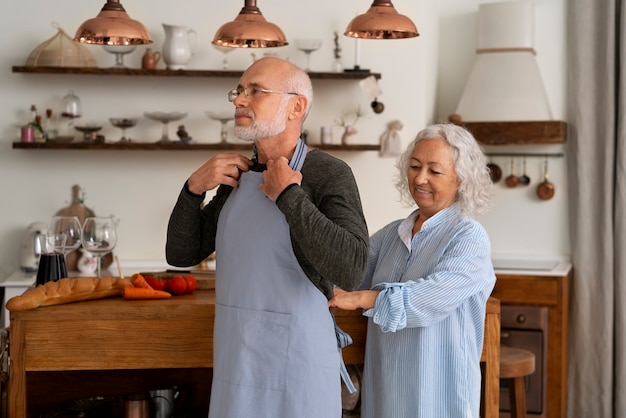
x,y
250,30
381,21
112,26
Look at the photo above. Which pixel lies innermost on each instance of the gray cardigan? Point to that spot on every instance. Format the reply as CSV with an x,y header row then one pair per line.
x,y
326,222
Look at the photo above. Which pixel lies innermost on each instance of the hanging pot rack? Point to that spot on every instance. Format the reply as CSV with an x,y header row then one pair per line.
x,y
525,154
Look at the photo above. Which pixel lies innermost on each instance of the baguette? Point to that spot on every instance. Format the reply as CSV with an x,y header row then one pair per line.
x,y
68,290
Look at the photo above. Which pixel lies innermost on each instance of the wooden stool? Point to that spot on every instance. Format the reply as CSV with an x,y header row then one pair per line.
x,y
515,365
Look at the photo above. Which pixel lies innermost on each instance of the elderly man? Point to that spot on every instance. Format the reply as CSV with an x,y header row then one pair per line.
x,y
286,226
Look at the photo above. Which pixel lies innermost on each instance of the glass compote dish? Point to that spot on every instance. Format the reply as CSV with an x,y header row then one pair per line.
x,y
165,118
99,237
224,50
308,45
223,118
123,124
89,131
119,51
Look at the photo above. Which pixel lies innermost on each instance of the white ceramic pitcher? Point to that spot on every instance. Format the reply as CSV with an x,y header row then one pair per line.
x,y
179,46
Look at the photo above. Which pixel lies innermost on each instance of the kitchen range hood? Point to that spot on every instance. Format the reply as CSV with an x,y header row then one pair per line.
x,y
505,85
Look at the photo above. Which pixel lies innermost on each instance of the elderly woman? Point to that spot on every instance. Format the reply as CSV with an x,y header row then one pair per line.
x,y
427,283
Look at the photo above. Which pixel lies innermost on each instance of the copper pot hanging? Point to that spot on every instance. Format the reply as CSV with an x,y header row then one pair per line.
x,y
524,180
495,172
512,180
545,189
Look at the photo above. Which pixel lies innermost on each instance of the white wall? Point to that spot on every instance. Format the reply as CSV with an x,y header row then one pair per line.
x,y
422,80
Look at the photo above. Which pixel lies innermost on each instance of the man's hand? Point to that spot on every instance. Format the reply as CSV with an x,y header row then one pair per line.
x,y
277,177
220,169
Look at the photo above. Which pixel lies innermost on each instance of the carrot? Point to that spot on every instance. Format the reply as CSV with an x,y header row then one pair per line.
x,y
132,292
137,280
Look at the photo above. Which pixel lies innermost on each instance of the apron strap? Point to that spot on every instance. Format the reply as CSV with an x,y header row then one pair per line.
x,y
343,340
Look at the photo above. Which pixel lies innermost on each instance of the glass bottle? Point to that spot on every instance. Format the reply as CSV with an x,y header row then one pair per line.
x,y
39,133
35,123
49,128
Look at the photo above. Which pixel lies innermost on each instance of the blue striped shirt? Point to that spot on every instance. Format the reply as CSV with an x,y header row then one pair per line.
x,y
425,332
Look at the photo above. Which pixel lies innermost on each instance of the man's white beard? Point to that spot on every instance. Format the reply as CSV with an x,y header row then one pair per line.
x,y
264,129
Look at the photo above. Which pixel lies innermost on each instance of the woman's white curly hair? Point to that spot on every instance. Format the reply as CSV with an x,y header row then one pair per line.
x,y
475,185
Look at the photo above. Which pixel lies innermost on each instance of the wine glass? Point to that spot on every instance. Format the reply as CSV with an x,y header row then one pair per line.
x,y
123,124
99,237
308,45
165,118
223,118
224,50
70,226
119,51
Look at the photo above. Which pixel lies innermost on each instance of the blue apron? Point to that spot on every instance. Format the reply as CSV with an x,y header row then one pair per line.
x,y
275,348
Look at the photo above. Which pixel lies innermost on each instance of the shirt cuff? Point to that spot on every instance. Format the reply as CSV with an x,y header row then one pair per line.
x,y
284,190
388,311
190,193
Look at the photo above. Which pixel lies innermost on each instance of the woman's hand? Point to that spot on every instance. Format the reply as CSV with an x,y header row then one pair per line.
x,y
359,299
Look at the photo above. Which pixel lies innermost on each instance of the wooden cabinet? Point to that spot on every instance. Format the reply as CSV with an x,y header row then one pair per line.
x,y
141,146
553,293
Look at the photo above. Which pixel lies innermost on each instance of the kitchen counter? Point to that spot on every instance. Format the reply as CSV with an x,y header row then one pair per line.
x,y
516,284
531,266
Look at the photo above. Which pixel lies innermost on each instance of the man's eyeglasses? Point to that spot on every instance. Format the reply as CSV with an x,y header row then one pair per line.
x,y
252,91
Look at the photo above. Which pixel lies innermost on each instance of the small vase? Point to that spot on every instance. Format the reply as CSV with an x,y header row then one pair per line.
x,y
86,263
347,133
150,59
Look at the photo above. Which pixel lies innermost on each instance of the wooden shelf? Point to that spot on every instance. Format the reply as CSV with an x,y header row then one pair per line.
x,y
347,75
518,133
173,146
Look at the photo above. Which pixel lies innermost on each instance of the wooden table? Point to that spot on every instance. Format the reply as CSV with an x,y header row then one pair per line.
x,y
116,347
110,346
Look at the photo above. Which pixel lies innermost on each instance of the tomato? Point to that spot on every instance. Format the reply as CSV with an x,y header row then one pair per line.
x,y
177,285
155,282
192,283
